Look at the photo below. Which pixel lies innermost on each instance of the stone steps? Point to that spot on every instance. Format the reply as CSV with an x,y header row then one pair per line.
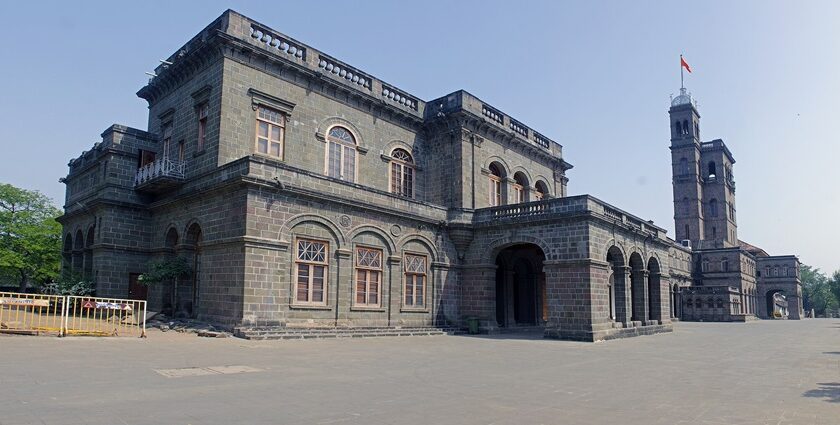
x,y
281,333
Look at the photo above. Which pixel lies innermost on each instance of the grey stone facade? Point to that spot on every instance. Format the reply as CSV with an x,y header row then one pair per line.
x,y
481,229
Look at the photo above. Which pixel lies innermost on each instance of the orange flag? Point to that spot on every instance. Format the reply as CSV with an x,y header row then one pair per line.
x,y
685,64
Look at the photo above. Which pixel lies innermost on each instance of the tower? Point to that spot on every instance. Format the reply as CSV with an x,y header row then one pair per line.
x,y
704,186
685,163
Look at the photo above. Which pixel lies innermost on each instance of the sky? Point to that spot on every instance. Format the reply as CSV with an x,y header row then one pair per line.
x,y
593,75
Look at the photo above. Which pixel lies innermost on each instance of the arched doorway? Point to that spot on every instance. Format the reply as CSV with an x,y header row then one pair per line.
x,y
637,287
654,290
777,304
617,286
520,286
192,244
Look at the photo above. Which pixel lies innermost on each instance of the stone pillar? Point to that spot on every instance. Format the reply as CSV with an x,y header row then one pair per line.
x,y
638,280
662,306
343,285
577,299
794,307
621,285
478,296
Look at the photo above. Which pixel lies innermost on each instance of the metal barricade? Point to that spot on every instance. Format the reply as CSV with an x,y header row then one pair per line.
x,y
31,313
104,317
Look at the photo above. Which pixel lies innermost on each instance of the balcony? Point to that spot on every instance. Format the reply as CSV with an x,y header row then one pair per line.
x,y
551,209
159,176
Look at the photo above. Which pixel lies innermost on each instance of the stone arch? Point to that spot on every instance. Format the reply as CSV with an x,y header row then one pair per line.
x,y
520,169
421,240
381,234
411,148
539,178
171,238
325,126
494,247
520,294
291,223
91,236
654,288
79,240
637,286
617,282
505,167
68,242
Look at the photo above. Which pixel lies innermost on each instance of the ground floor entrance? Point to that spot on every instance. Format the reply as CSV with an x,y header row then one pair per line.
x,y
520,287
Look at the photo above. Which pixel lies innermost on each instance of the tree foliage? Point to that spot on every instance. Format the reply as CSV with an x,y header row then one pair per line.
x,y
819,292
170,269
30,238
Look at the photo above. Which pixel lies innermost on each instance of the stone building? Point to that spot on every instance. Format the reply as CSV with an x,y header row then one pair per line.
x,y
304,192
731,280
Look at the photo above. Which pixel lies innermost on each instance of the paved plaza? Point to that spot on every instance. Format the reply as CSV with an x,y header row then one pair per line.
x,y
764,372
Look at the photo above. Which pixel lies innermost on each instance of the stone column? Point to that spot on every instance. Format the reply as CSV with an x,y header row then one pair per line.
x,y
638,279
507,294
395,290
343,285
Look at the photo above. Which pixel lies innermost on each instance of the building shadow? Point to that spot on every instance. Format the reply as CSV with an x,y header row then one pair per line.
x,y
828,391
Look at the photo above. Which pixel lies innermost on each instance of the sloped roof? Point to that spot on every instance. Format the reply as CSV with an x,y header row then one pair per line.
x,y
752,249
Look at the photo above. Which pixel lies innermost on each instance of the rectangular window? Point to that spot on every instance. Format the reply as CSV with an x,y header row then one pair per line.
x,y
167,139
495,191
415,281
368,277
402,179
181,151
202,127
311,264
519,192
271,128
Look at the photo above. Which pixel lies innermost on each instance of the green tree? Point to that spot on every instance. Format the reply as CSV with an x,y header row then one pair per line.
x,y
834,288
816,290
30,238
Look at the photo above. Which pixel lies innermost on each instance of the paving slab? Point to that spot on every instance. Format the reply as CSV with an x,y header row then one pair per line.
x,y
762,372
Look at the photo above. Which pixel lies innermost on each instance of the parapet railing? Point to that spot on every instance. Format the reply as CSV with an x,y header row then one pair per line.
x,y
160,168
575,204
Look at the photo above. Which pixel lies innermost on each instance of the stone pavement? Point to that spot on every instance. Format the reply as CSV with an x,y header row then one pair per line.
x,y
764,372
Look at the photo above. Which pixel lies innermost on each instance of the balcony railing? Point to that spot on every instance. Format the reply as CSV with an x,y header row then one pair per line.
x,y
556,207
159,174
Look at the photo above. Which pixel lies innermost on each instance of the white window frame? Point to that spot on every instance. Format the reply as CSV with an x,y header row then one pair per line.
x,y
344,145
400,166
368,270
412,274
281,124
311,267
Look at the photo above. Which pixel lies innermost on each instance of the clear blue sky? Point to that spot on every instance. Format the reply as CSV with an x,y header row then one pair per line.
x,y
594,76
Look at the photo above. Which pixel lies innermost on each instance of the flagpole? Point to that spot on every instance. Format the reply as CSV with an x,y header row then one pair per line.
x,y
682,84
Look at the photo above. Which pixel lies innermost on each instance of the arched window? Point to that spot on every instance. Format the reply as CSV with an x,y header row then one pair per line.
x,y
705,264
678,129
724,265
402,173
720,303
341,154
495,188
683,168
712,170
713,208
686,232
520,187
685,127
541,190
696,130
